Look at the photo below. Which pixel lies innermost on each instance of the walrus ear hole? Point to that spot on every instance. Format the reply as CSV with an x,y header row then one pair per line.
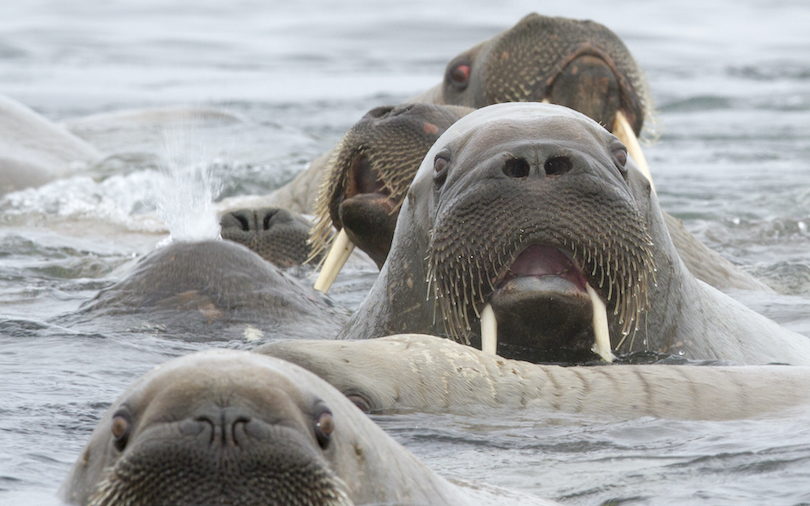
x,y
324,426
121,426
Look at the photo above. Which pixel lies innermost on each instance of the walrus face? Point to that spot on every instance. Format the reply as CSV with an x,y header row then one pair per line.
x,y
277,235
366,180
529,214
578,64
218,428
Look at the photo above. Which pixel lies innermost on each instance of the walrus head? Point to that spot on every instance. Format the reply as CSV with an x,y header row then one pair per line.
x,y
277,235
220,427
527,211
370,171
227,427
578,64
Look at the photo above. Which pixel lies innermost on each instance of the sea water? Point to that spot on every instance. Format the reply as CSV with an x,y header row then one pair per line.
x,y
731,83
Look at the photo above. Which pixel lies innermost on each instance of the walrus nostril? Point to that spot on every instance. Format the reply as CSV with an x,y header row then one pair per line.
x,y
244,224
267,217
517,167
557,165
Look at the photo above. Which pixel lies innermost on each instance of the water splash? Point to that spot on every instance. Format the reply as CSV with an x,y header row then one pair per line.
x,y
192,178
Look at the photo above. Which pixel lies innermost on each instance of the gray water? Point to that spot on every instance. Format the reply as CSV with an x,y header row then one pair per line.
x,y
731,81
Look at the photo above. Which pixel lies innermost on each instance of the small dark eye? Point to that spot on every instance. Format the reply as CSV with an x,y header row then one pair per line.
x,y
459,75
360,402
324,426
621,157
440,168
120,427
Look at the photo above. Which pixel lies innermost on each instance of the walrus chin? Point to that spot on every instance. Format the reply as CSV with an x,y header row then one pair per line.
x,y
544,293
530,295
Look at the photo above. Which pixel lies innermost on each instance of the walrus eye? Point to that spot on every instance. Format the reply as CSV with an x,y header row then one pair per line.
x,y
324,426
441,166
621,157
458,75
360,402
120,427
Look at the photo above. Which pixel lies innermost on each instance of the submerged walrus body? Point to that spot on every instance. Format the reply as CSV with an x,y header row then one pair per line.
x,y
535,213
430,373
212,290
227,427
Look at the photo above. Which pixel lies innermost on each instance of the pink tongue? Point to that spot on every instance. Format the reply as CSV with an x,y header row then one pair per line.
x,y
542,261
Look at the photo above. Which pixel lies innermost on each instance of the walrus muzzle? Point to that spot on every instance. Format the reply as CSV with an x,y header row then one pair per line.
x,y
550,220
221,456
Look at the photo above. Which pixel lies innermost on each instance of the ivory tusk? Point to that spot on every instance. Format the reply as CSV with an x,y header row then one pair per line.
x,y
623,130
489,330
338,254
601,344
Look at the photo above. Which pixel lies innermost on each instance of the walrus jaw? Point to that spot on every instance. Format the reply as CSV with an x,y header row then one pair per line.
x,y
545,302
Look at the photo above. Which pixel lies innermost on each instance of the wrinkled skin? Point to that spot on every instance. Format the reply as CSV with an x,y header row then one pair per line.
x,y
429,373
217,289
230,427
523,222
277,235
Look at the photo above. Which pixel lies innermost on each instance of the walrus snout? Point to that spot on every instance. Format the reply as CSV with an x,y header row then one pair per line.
x,y
277,235
224,427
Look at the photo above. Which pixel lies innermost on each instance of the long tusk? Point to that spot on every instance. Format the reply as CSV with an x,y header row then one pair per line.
x,y
601,344
489,330
623,130
338,254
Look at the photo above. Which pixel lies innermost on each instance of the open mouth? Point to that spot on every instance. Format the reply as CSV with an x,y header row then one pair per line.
x,y
542,301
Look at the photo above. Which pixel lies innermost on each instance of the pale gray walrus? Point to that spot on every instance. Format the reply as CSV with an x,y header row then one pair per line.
x,y
367,178
229,427
211,290
34,151
430,373
530,221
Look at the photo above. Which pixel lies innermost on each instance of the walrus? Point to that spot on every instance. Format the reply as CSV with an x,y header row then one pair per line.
x,y
579,64
365,182
212,289
528,230
430,373
233,427
34,151
279,236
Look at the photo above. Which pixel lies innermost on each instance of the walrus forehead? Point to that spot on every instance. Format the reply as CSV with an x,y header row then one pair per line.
x,y
518,112
173,389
